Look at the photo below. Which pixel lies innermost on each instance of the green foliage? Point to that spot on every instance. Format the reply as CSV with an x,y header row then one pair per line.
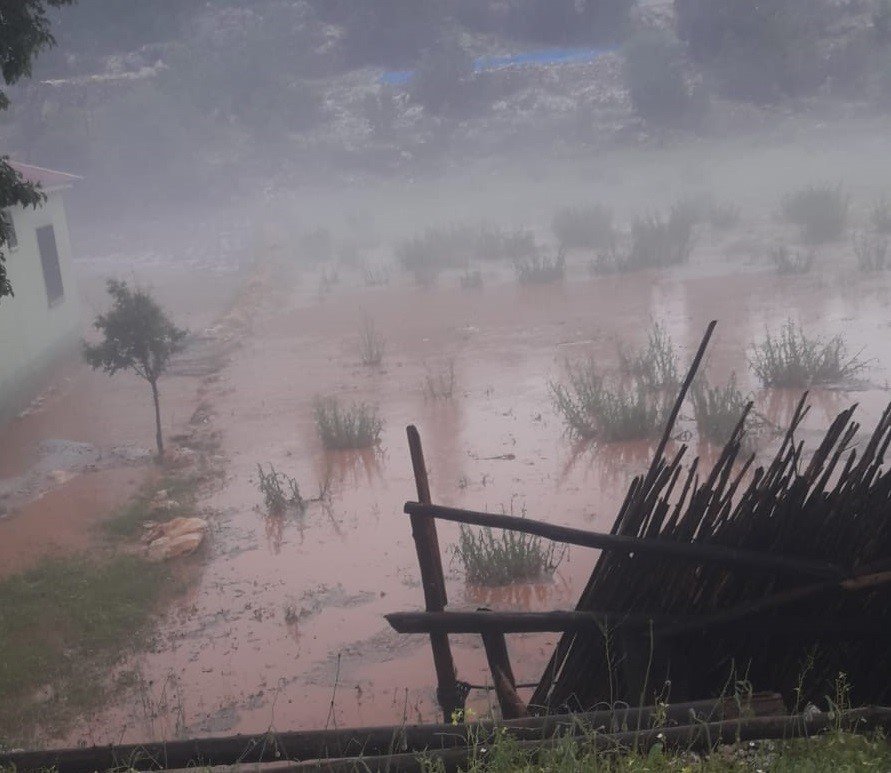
x,y
655,366
820,211
371,345
834,752
791,359
871,252
275,497
757,51
129,520
14,190
717,409
591,410
788,262
537,269
583,228
64,624
137,336
654,77
508,558
356,426
24,33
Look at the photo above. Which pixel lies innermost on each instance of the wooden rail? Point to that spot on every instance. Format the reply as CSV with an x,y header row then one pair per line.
x,y
370,741
689,551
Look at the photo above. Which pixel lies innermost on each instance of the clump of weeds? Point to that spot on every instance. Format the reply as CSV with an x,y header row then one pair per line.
x,y
655,366
355,426
537,269
439,384
820,211
718,409
376,276
791,359
471,279
592,410
371,345
787,262
507,558
280,492
871,252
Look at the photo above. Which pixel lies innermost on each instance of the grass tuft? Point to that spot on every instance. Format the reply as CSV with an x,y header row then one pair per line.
x,y
718,409
723,217
439,384
788,262
510,557
540,270
356,426
871,252
655,366
791,359
371,345
820,211
471,279
590,410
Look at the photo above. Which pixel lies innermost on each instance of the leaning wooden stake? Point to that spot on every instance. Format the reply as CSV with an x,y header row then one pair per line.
x,y
512,706
430,561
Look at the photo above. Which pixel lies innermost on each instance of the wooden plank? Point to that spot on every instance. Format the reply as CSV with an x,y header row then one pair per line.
x,y
690,551
430,562
319,744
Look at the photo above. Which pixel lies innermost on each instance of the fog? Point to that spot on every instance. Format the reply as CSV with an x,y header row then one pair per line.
x,y
506,223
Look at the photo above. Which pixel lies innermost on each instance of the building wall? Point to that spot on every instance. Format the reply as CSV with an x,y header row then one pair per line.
x,y
33,333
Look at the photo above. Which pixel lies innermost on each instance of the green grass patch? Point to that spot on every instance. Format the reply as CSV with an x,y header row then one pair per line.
x,y
353,426
181,495
836,752
63,625
792,359
507,558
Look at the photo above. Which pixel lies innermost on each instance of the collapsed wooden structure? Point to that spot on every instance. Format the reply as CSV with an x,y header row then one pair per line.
x,y
778,575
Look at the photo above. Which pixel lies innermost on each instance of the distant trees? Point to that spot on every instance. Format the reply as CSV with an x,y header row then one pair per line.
x,y
24,32
137,336
759,51
654,76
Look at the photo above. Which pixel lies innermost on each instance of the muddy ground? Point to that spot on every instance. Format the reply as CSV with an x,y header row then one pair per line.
x,y
284,629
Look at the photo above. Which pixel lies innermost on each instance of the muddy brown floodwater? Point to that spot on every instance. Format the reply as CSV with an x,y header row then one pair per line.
x,y
285,629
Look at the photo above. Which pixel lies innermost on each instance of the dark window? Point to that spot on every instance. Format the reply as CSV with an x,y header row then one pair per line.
x,y
49,259
9,227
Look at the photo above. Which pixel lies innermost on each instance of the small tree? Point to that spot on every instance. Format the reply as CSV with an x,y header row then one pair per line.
x,y
138,337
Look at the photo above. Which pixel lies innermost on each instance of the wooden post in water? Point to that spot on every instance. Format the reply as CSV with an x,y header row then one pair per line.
x,y
512,706
430,561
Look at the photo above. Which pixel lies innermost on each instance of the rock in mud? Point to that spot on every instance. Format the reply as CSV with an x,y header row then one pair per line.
x,y
174,538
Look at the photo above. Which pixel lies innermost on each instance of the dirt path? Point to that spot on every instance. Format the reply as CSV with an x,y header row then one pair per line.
x,y
289,611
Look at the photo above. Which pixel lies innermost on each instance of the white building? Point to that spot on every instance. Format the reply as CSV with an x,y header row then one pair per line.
x,y
43,321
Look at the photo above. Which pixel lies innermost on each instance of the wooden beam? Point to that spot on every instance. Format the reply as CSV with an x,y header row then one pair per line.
x,y
509,622
433,581
319,744
662,548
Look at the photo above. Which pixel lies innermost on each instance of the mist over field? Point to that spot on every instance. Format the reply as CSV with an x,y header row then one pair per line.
x,y
506,222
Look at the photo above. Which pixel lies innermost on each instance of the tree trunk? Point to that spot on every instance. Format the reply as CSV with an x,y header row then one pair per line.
x,y
158,438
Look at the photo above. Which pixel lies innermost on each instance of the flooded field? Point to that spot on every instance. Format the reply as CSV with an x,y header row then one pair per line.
x,y
284,629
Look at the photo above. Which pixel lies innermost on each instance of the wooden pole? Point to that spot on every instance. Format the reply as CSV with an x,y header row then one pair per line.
x,y
510,702
430,562
690,551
